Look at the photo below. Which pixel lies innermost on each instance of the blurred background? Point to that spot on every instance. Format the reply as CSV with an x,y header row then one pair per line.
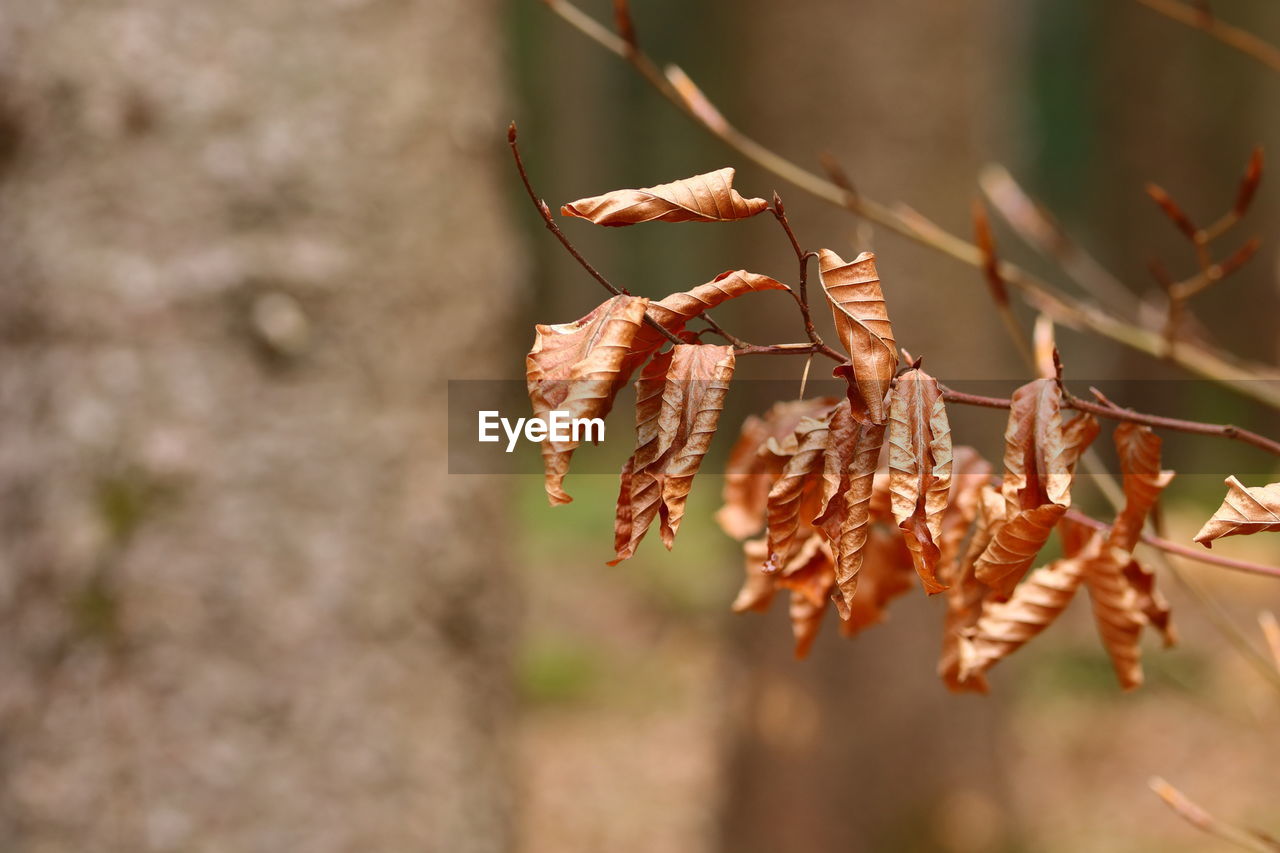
x,y
244,605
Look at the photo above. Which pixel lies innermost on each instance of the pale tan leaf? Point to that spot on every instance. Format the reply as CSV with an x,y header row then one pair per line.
x,y
702,198
1005,626
753,467
1244,511
862,322
1139,450
1115,609
794,497
576,367
855,517
920,461
704,373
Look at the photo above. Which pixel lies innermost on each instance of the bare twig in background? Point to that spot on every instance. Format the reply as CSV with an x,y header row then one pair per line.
x,y
1233,37
1271,631
1202,820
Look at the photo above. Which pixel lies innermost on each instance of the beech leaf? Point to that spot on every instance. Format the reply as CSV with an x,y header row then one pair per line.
x,y
862,322
855,521
920,469
1244,511
577,367
702,198
1115,609
1139,450
795,495
641,495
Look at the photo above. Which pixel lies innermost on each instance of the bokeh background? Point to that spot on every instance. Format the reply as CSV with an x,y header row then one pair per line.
x,y
244,604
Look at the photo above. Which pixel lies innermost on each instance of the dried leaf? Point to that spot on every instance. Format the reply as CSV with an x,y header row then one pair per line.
x,y
835,459
794,497
1149,599
757,587
862,322
855,516
1006,626
810,585
1039,462
920,468
638,507
887,573
576,367
701,198
702,375
1139,450
970,474
753,467
1244,511
966,595
1115,609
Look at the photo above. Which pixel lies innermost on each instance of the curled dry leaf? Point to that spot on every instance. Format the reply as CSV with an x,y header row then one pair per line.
x,y
887,573
754,466
920,469
796,494
679,397
757,587
841,439
966,596
702,198
1005,626
577,367
854,519
970,474
1139,450
862,322
1039,462
1149,600
1244,511
701,374
1115,609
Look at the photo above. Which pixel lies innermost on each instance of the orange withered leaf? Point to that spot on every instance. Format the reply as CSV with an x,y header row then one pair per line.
x,y
835,458
920,469
966,595
702,374
757,586
754,467
1115,609
702,198
1005,626
1039,462
810,584
862,322
970,474
1149,599
796,494
641,498
855,517
1139,450
887,573
576,367
1244,511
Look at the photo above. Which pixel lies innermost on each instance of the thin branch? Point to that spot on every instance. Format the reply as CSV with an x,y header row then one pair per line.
x,y
1042,296
1233,37
802,257
1200,556
1202,820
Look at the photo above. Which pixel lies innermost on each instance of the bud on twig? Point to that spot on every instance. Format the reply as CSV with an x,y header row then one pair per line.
x,y
1249,183
1175,213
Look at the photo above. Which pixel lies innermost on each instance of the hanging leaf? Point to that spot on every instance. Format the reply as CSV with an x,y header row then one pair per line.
x,y
887,573
1039,462
754,467
920,469
966,595
1149,599
841,439
576,367
1005,626
1244,511
1115,609
810,585
701,198
862,322
757,586
855,517
1139,450
795,496
703,374
970,474
641,499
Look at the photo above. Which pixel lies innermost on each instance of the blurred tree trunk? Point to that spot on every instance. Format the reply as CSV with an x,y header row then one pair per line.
x,y
242,245
861,748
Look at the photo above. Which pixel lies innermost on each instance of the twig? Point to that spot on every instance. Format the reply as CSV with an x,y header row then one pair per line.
x,y
1065,310
1271,631
802,298
1200,556
995,282
1202,820
1233,37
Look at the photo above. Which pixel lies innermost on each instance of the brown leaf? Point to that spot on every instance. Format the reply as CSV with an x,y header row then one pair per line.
x,y
753,467
970,474
887,573
1151,601
1005,626
966,596
1115,609
757,587
794,497
1244,511
1139,450
702,374
1039,463
862,322
841,440
638,507
855,516
810,585
701,198
576,367
920,468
